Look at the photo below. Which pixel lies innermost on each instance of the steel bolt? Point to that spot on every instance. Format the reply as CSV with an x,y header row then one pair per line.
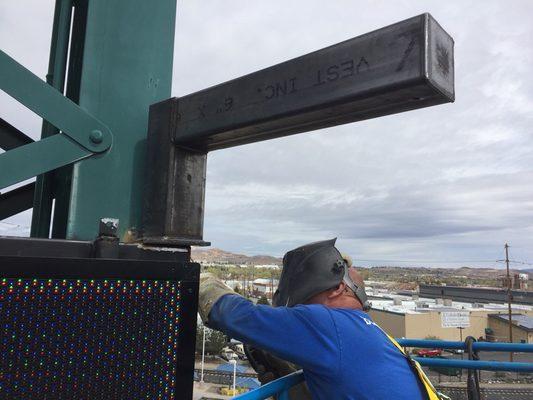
x,y
96,136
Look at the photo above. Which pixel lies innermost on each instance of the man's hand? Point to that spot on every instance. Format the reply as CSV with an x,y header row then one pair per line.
x,y
211,289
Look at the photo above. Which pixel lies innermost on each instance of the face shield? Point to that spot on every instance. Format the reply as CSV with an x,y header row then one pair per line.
x,y
311,269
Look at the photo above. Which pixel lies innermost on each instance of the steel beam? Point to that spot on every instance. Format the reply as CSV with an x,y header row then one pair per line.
x,y
401,67
63,176
33,159
37,247
57,65
127,65
82,137
51,105
11,137
16,200
174,192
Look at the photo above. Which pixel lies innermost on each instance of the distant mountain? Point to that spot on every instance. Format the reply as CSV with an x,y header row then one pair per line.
x,y
222,256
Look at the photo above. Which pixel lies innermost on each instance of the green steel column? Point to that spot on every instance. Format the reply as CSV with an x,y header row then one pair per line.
x,y
42,201
127,65
63,175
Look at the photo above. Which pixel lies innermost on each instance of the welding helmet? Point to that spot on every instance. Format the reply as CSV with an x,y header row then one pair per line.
x,y
311,269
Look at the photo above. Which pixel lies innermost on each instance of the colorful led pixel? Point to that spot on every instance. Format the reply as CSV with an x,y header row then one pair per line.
x,y
88,339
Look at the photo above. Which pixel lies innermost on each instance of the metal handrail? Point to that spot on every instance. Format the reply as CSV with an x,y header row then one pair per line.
x,y
475,364
476,346
281,386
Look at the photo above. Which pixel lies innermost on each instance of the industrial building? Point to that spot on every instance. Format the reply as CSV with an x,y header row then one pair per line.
x,y
480,295
522,327
413,317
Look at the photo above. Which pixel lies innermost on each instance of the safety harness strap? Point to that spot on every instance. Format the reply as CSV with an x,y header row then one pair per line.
x,y
430,389
431,392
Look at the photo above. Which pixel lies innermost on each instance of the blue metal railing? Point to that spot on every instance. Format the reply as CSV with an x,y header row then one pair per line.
x,y
469,364
281,386
476,346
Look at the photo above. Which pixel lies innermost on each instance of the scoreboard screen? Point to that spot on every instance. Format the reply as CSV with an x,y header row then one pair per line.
x,y
96,329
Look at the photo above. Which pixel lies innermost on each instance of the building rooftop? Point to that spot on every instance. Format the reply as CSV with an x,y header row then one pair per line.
x,y
523,321
402,304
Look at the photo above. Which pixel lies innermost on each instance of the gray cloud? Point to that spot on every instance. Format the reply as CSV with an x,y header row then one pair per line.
x,y
445,183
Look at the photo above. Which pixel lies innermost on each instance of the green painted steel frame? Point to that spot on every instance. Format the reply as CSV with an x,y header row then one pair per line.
x,y
45,155
57,66
80,129
127,66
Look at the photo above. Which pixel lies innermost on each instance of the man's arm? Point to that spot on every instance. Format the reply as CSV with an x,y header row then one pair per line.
x,y
305,335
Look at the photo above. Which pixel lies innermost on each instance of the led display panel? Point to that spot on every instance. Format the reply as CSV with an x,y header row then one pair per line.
x,y
96,329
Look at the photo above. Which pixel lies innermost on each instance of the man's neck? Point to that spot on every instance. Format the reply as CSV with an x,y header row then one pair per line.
x,y
344,302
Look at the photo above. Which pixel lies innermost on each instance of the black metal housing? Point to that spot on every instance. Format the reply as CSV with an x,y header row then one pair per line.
x,y
58,248
73,269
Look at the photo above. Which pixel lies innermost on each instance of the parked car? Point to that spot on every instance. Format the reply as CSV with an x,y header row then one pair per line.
x,y
429,352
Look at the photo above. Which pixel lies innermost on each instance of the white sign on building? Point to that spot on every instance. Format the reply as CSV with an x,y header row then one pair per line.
x,y
455,319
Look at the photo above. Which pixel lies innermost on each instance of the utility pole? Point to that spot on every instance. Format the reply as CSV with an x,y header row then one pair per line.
x,y
461,338
271,286
509,299
203,357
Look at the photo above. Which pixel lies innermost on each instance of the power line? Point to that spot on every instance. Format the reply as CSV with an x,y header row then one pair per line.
x,y
516,262
520,262
426,261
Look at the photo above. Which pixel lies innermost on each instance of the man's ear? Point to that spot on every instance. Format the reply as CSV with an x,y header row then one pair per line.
x,y
338,291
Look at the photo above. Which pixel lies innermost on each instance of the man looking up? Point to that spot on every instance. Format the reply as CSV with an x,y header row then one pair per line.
x,y
321,326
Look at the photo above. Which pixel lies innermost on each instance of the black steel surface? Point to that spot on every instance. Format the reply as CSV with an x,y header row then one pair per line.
x,y
16,200
401,67
11,137
98,329
32,247
174,191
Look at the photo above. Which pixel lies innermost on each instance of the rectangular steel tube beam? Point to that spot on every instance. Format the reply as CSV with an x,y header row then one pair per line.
x,y
16,200
401,67
11,137
174,191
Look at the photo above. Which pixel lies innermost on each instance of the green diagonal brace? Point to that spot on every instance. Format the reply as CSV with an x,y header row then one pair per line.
x,y
33,159
82,134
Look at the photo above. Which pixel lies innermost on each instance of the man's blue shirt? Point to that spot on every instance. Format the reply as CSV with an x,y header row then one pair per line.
x,y
344,355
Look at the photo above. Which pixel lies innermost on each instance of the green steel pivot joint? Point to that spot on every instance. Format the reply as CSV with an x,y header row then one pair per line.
x,y
82,134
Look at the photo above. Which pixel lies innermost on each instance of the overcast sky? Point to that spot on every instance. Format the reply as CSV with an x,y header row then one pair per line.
x,y
447,185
